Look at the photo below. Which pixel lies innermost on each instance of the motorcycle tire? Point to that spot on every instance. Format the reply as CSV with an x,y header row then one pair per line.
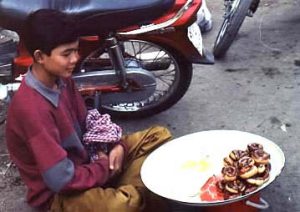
x,y
230,27
8,47
172,72
3,111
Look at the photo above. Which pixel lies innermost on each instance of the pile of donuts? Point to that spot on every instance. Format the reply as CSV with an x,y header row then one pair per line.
x,y
244,171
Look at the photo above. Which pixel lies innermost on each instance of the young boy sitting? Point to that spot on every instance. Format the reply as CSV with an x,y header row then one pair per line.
x,y
45,125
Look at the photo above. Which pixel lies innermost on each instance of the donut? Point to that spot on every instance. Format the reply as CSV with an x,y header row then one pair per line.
x,y
246,162
237,154
229,173
259,180
235,187
254,146
250,188
260,156
261,168
228,162
267,169
244,171
221,185
249,172
246,167
241,185
268,166
231,190
228,195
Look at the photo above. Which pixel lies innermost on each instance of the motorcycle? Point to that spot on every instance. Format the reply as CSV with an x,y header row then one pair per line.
x,y
136,57
234,16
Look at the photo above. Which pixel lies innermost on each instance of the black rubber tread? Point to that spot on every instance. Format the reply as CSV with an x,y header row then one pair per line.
x,y
3,110
220,48
7,44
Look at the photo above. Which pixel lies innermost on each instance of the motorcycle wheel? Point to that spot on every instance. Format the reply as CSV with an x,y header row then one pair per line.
x,y
8,45
172,71
235,14
3,111
8,50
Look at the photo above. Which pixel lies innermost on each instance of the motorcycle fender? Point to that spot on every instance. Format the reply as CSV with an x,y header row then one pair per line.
x,y
176,40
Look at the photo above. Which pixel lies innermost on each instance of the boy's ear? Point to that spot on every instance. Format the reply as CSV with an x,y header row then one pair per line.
x,y
38,56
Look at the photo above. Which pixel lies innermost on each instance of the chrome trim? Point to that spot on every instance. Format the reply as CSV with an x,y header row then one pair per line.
x,y
6,65
153,27
5,70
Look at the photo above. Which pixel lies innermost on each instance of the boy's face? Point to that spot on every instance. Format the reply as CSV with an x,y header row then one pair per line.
x,y
62,60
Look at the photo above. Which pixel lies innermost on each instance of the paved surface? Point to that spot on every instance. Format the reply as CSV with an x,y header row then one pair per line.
x,y
255,88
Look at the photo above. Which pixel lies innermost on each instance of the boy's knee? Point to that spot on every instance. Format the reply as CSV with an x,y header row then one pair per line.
x,y
160,131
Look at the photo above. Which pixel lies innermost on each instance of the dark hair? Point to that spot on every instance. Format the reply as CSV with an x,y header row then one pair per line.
x,y
46,29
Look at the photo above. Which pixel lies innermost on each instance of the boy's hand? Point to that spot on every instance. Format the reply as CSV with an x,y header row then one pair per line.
x,y
102,155
116,156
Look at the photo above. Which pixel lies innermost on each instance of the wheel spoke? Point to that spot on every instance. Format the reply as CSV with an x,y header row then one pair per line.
x,y
157,57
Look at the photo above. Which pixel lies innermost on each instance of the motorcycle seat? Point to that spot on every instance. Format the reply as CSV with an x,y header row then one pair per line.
x,y
94,16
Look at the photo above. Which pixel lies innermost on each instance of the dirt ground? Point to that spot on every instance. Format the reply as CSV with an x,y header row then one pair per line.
x,y
255,88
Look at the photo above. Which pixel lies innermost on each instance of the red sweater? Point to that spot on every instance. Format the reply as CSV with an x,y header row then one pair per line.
x,y
43,134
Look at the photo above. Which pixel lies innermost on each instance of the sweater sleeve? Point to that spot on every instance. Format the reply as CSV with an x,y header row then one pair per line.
x,y
59,173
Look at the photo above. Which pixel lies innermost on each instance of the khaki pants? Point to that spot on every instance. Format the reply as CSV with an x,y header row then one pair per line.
x,y
128,194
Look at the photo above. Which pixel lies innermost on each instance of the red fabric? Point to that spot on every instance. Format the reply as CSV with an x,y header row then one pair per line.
x,y
210,192
34,133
